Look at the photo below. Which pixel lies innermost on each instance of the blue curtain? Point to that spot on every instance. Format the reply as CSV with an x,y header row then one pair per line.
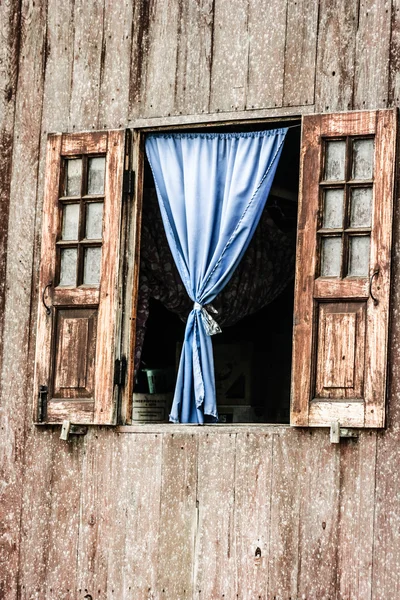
x,y
211,189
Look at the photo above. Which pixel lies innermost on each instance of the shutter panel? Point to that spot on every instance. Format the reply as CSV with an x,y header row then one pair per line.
x,y
78,335
342,264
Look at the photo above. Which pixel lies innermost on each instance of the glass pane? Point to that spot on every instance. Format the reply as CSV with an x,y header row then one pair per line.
x,y
331,256
91,269
96,175
94,220
363,159
335,160
73,177
359,256
70,222
333,208
361,207
69,258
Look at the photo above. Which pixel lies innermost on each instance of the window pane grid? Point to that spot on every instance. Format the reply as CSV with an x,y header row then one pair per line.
x,y
346,202
81,219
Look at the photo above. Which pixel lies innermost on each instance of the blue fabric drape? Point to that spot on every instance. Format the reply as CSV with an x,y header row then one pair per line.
x,y
211,189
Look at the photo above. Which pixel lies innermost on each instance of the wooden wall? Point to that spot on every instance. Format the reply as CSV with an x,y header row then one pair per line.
x,y
179,513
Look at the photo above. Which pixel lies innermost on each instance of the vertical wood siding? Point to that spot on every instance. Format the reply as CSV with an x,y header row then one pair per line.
x,y
167,515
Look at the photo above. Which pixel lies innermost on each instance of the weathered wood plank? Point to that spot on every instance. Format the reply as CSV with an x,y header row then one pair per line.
x,y
215,561
266,53
335,55
300,52
319,513
115,66
178,516
158,95
10,13
253,485
22,191
194,57
386,548
63,518
371,72
288,470
356,516
138,512
37,502
97,513
229,56
394,58
85,84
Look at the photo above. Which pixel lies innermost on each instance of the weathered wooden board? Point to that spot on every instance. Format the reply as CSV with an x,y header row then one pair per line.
x,y
229,56
319,493
158,95
14,382
9,35
253,519
138,511
300,52
371,73
63,518
215,562
97,513
86,73
288,470
335,55
266,53
116,64
37,506
178,516
356,517
194,57
394,57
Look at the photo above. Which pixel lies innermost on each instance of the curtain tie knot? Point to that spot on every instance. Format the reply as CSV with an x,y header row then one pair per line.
x,y
210,324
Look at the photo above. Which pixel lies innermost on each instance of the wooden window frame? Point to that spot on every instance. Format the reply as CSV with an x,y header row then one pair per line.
x,y
116,406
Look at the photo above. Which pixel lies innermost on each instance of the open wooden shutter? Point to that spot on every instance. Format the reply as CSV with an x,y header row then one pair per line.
x,y
343,269
78,334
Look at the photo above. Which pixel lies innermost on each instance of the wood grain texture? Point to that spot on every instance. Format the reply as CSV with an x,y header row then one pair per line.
x,y
300,52
336,55
356,516
178,516
164,23
115,65
86,72
230,56
288,469
266,54
10,13
18,279
215,567
314,364
253,524
319,494
371,73
194,57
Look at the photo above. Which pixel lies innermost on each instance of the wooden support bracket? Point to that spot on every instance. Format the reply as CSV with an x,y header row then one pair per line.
x,y
337,432
68,429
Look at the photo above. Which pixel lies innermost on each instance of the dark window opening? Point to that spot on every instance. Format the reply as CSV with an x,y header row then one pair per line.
x,y
252,357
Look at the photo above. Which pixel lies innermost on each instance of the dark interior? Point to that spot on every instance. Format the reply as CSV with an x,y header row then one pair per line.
x,y
261,391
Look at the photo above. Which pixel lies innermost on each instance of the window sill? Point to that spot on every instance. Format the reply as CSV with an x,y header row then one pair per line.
x,y
162,428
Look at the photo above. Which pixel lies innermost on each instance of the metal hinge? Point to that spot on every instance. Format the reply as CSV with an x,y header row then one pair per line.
x,y
120,371
129,183
42,402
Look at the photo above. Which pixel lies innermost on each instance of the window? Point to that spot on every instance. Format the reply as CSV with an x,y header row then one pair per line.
x,y
89,277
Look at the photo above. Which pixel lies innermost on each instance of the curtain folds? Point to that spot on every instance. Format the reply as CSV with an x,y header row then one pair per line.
x,y
211,189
